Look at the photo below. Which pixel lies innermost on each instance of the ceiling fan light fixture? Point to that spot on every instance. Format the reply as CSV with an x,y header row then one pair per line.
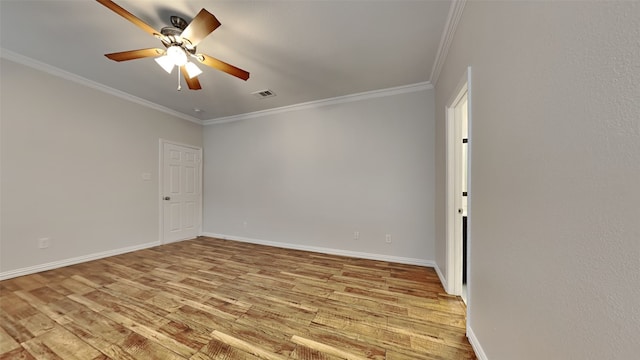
x,y
192,70
177,54
179,49
166,63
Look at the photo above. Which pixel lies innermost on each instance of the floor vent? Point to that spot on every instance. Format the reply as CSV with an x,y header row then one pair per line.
x,y
263,94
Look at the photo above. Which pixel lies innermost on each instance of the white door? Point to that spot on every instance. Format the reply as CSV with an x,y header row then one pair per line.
x,y
460,186
457,210
181,192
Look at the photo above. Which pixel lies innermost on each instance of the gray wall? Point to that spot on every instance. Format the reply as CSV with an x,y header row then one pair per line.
x,y
312,177
555,139
72,164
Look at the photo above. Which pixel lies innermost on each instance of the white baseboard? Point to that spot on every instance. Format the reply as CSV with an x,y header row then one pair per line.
x,y
323,250
72,261
443,281
475,344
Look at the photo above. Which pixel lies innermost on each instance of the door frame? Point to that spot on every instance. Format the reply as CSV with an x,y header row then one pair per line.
x,y
454,243
162,142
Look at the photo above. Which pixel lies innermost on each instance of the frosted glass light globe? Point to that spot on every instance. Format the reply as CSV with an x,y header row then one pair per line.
x,y
177,54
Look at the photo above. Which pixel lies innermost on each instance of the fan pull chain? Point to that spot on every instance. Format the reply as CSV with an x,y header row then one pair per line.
x,y
179,85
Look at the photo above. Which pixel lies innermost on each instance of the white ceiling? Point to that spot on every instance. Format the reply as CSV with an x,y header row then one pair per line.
x,y
302,50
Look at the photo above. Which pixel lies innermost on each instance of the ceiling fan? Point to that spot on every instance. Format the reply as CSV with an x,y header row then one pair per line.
x,y
180,41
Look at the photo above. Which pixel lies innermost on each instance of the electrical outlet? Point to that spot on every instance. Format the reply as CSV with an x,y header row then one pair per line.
x,y
356,235
43,243
387,239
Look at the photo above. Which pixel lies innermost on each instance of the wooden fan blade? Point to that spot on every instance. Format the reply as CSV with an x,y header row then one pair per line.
x,y
193,83
202,25
223,66
129,16
135,54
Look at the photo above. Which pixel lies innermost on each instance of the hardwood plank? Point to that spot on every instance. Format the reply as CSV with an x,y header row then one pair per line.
x,y
272,340
446,351
274,322
152,336
97,325
192,337
305,353
350,342
76,287
17,307
19,353
218,350
7,343
131,309
208,298
372,304
37,349
324,348
138,326
102,344
366,329
66,345
142,348
13,327
43,307
37,324
25,283
245,346
198,319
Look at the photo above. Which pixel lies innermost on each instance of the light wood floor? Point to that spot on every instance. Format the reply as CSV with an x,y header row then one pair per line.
x,y
216,299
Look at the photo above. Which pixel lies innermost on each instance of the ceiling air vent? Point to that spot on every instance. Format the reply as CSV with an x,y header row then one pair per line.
x,y
263,94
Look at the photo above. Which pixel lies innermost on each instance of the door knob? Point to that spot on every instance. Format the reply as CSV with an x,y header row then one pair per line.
x,y
167,198
460,211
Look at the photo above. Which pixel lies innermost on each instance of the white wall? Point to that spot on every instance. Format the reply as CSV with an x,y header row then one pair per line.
x,y
312,177
555,124
72,164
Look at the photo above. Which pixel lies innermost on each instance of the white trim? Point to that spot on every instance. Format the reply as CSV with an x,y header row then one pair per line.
x,y
455,13
323,250
449,231
441,277
463,85
35,64
469,195
454,280
72,261
475,344
324,102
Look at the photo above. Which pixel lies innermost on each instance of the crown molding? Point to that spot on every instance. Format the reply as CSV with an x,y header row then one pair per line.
x,y
455,13
324,102
38,65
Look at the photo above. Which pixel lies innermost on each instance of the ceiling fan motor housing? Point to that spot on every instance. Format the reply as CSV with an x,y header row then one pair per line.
x,y
178,22
172,35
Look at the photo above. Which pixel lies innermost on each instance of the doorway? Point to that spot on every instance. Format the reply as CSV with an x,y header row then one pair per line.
x,y
457,185
180,191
